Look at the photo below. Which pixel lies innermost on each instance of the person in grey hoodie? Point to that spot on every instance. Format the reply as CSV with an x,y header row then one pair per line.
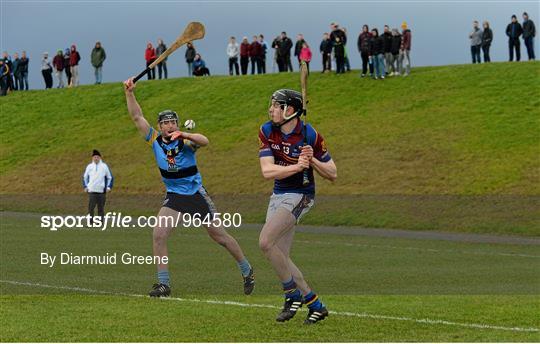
x,y
529,32
476,42
233,50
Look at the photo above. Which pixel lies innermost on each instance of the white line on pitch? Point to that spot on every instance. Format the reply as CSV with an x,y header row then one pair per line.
x,y
254,305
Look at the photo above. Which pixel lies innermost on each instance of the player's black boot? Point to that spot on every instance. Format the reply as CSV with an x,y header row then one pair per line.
x,y
249,282
316,315
289,310
160,290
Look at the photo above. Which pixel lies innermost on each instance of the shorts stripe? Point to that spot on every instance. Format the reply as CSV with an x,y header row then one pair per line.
x,y
206,196
303,204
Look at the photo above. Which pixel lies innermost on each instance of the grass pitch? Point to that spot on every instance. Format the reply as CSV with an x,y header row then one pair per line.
x,y
382,289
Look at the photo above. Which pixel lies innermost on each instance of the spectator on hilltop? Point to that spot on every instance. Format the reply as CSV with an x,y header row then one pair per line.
x,y
529,32
377,53
487,38
396,43
305,54
254,55
233,51
285,46
67,66
74,59
244,55
46,70
277,58
150,56
363,43
326,51
4,73
346,59
199,66
9,64
16,72
264,50
97,57
405,50
162,66
513,31
387,48
23,71
190,57
58,64
339,54
298,46
476,42
337,32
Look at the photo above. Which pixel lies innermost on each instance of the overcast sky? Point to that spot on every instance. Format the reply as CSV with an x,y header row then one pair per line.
x,y
439,28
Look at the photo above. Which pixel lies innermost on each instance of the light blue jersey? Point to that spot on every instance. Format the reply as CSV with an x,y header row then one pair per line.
x,y
177,164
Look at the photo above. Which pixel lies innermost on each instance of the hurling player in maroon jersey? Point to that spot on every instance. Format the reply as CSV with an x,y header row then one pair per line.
x,y
284,157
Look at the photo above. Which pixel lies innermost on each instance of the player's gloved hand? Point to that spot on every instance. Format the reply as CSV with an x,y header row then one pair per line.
x,y
307,151
177,135
108,189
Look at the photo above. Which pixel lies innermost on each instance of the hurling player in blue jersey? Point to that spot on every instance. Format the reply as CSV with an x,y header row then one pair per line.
x,y
283,157
174,152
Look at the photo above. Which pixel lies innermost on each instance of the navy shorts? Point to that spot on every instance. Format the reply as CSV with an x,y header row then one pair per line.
x,y
198,203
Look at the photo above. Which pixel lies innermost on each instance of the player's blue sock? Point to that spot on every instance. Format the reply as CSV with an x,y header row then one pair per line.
x,y
312,301
245,267
163,276
290,290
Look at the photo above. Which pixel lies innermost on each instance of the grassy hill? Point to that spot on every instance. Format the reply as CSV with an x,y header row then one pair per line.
x,y
453,131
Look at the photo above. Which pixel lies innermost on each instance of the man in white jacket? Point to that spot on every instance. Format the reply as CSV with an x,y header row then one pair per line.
x,y
97,181
233,50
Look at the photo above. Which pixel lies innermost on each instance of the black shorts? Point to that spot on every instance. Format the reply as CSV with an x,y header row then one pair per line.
x,y
198,203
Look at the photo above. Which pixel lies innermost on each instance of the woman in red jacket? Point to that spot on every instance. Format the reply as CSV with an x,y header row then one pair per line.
x,y
150,56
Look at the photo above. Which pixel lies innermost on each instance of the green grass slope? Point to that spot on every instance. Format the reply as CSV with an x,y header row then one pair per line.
x,y
455,130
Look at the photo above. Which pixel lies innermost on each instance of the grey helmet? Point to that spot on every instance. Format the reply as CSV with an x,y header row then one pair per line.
x,y
167,115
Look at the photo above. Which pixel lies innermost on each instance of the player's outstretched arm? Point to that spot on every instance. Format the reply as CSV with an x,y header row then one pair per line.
x,y
272,171
135,109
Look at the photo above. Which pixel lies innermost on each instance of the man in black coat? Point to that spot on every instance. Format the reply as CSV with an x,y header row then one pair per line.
x,y
388,57
529,32
513,31
285,51
326,51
